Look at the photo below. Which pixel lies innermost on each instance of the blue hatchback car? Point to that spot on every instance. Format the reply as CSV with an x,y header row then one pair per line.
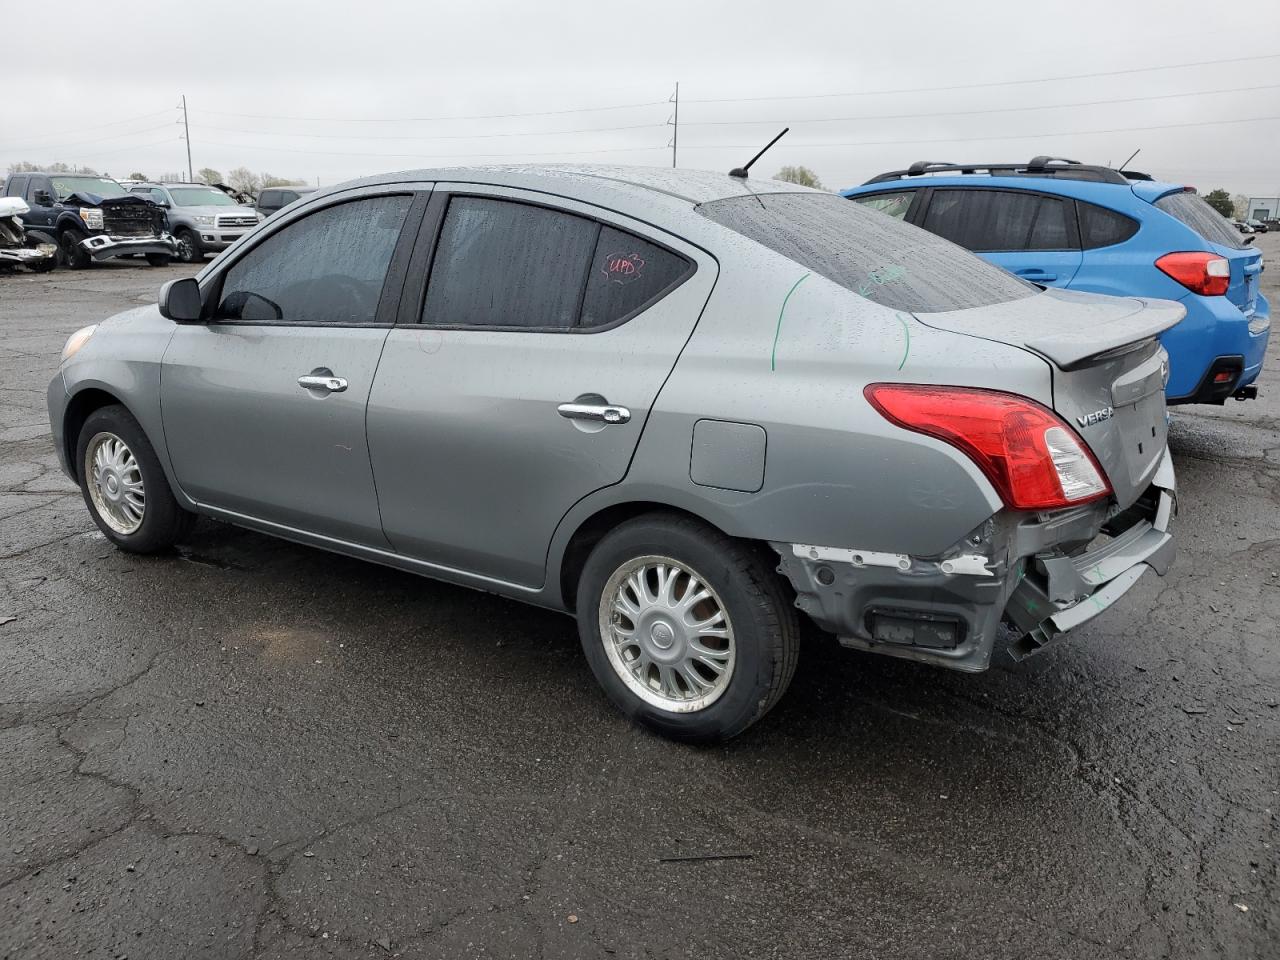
x,y
1066,224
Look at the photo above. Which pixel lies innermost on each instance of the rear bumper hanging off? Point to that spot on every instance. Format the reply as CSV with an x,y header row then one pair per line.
x,y
103,247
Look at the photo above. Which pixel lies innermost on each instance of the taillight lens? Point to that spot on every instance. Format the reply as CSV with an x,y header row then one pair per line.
x,y
1204,273
1032,458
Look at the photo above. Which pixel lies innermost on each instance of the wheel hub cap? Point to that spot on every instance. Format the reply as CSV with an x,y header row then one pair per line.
x,y
667,634
114,481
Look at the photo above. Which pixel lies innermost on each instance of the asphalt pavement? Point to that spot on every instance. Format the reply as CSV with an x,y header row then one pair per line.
x,y
249,748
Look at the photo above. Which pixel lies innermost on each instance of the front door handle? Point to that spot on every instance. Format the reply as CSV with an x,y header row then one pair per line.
x,y
1035,273
329,384
600,412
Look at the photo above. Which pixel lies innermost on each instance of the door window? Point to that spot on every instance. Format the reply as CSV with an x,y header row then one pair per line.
x,y
627,274
17,187
999,220
1100,227
328,267
895,205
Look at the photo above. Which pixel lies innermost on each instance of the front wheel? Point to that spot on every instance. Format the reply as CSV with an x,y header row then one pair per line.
x,y
689,631
124,486
73,255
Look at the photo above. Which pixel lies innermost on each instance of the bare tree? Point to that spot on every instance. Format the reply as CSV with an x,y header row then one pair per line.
x,y
244,180
801,175
270,181
210,175
1241,204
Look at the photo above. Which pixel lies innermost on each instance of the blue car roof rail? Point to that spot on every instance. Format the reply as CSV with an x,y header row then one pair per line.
x,y
1059,167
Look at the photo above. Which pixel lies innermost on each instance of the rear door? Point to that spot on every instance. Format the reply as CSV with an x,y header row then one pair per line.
x,y
264,403
1030,234
519,382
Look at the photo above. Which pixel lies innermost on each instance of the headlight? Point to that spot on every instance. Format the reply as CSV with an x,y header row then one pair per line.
x,y
92,217
77,340
204,221
260,217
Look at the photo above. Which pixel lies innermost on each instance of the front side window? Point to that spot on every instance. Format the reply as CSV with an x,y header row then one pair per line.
x,y
887,261
328,267
894,205
998,220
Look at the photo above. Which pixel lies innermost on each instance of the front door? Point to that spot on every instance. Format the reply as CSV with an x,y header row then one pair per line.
x,y
264,404
524,382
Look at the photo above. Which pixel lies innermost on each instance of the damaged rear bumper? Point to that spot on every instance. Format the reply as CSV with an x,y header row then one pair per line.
x,y
1043,574
103,246
28,255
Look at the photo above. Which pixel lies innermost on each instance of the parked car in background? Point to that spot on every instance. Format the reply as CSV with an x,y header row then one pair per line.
x,y
272,199
90,218
680,407
1257,226
202,219
16,248
1095,229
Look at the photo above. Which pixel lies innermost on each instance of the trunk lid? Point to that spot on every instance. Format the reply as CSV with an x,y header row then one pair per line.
x,y
1108,370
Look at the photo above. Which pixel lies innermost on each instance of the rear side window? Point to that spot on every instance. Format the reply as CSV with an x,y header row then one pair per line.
x,y
884,260
1100,227
894,205
999,220
328,267
267,199
504,264
512,265
1194,211
17,187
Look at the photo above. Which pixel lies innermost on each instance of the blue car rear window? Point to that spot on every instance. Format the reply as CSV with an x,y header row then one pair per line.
x,y
880,258
1194,211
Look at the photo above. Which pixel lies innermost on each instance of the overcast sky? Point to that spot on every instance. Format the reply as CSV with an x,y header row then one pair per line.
x,y
426,72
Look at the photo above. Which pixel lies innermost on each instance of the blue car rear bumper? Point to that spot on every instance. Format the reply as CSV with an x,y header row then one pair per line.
x,y
1215,338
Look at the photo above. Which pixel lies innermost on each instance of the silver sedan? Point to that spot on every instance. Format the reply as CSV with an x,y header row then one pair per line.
x,y
684,407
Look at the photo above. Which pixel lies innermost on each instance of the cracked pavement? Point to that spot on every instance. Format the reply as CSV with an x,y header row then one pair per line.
x,y
253,749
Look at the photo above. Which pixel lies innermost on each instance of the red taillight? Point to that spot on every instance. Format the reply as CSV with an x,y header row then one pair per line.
x,y
1032,458
1204,273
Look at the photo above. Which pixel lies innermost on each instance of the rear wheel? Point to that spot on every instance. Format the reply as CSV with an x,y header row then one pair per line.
x,y
73,255
689,631
42,266
123,485
189,250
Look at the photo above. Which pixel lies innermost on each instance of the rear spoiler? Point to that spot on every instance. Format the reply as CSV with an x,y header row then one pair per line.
x,y
1119,336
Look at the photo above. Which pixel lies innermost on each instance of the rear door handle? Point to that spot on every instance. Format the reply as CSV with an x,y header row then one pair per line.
x,y
1035,273
329,384
600,412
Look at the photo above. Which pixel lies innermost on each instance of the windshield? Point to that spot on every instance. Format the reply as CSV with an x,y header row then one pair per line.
x,y
877,257
100,186
200,197
1195,211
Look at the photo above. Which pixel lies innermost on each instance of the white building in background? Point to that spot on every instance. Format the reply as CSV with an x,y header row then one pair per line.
x,y
1264,208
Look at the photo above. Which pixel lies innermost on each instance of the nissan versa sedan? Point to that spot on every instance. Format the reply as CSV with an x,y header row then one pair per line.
x,y
686,408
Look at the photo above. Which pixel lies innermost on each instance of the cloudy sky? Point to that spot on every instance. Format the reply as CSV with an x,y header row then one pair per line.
x,y
332,90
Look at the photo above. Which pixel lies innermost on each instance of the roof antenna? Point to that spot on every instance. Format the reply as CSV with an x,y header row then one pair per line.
x,y
1131,156
741,172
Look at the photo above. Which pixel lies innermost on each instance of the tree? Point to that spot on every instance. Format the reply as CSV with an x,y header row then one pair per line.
x,y
244,180
269,181
801,175
1220,200
137,176
1240,203
210,175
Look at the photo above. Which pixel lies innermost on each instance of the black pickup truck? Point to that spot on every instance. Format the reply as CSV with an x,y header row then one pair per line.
x,y
91,218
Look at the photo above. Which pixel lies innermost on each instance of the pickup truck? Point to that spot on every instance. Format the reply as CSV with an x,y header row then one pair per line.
x,y
91,218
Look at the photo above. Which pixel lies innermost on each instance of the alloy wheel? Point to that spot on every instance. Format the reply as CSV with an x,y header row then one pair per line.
x,y
115,483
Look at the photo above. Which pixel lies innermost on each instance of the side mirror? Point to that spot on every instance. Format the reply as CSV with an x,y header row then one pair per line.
x,y
180,300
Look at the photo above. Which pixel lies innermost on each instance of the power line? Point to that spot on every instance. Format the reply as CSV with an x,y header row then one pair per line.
x,y
1016,136
443,156
993,83
960,113
77,143
467,136
478,116
109,123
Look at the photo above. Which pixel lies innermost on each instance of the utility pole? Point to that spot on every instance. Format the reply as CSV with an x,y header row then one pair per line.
x,y
186,133
675,125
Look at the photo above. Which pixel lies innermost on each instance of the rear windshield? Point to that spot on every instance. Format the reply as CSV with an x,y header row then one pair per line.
x,y
1193,210
880,258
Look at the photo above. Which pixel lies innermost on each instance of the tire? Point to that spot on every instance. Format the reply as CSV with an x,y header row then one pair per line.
x,y
757,657
43,266
189,249
70,251
160,522
159,259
